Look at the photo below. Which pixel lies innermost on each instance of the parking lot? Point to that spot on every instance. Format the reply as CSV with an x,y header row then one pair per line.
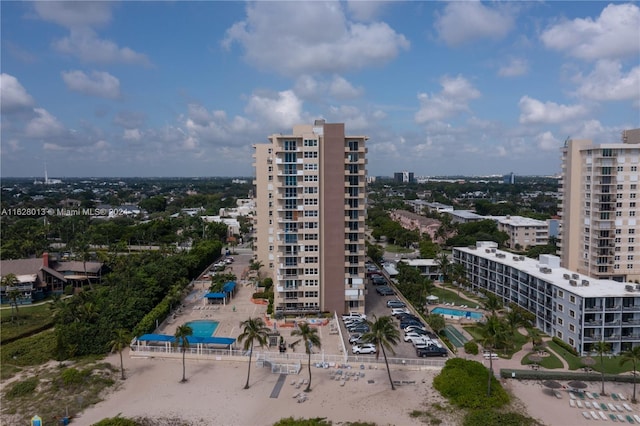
x,y
376,305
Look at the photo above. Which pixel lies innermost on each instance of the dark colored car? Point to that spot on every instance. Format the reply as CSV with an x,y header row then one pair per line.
x,y
378,280
406,323
431,350
385,291
363,328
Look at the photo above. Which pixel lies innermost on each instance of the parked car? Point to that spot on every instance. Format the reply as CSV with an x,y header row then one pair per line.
x,y
353,321
378,280
354,338
366,348
397,311
361,328
353,315
415,329
408,337
431,350
406,323
385,291
396,304
354,325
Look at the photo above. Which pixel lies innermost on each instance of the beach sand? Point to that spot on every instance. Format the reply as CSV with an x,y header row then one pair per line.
x,y
214,395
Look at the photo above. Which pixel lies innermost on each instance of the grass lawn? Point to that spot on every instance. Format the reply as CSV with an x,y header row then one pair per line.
x,y
449,296
392,248
519,340
28,319
549,362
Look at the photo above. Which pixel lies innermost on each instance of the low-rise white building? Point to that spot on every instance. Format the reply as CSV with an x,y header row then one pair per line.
x,y
576,308
524,232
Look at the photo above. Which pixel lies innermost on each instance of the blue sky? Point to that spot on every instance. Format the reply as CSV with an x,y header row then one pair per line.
x,y
186,88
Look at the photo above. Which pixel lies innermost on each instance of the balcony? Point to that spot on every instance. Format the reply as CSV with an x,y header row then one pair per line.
x,y
593,323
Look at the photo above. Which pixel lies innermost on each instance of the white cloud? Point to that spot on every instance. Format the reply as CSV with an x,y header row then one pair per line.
x,y
283,109
514,68
468,21
101,84
532,111
452,100
74,14
365,10
614,34
129,119
547,142
85,45
607,82
340,88
132,134
319,39
13,95
44,125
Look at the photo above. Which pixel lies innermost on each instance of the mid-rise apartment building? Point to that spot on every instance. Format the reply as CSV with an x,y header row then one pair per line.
x,y
524,232
310,218
578,309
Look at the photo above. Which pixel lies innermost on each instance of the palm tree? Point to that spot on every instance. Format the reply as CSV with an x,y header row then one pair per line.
x,y
181,341
10,282
632,355
493,303
253,330
383,334
310,337
491,332
601,348
444,265
534,336
121,339
459,274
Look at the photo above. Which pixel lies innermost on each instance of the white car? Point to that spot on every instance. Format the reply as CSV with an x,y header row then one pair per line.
x,y
366,348
353,315
410,336
413,328
396,311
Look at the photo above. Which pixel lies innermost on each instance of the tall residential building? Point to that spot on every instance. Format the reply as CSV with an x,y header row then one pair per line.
x,y
403,177
598,205
310,218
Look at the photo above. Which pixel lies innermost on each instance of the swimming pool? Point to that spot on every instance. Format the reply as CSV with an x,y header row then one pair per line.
x,y
457,313
204,328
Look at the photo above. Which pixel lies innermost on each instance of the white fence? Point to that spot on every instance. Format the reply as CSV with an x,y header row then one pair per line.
x,y
275,357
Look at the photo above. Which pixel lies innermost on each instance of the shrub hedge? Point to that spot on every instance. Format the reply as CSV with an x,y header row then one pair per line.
x,y
564,345
471,347
464,383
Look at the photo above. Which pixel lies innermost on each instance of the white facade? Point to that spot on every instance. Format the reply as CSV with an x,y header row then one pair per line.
x,y
574,307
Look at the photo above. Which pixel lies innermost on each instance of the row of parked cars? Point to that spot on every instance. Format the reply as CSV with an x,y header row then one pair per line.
x,y
356,324
425,342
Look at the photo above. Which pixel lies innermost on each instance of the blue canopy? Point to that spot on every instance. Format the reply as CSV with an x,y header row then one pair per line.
x,y
227,341
229,287
215,295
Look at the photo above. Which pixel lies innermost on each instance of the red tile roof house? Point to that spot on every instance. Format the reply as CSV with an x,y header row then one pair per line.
x,y
41,277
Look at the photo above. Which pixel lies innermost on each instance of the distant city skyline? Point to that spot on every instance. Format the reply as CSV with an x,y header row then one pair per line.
x,y
181,89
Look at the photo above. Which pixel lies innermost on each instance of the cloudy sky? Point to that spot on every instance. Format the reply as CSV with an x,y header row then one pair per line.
x,y
186,88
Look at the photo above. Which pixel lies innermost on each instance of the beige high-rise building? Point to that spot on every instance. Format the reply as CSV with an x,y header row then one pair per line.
x,y
599,226
310,218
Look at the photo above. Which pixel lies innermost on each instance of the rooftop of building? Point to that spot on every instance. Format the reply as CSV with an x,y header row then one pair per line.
x,y
546,268
518,220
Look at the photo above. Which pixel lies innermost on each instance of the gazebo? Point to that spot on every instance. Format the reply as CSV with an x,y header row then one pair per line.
x,y
432,300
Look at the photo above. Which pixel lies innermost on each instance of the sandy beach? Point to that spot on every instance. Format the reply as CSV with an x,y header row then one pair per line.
x,y
214,395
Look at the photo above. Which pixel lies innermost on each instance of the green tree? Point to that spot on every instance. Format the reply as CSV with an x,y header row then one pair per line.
x,y
10,282
310,337
121,340
444,265
253,330
181,341
374,252
436,322
490,336
633,356
601,348
384,335
492,303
